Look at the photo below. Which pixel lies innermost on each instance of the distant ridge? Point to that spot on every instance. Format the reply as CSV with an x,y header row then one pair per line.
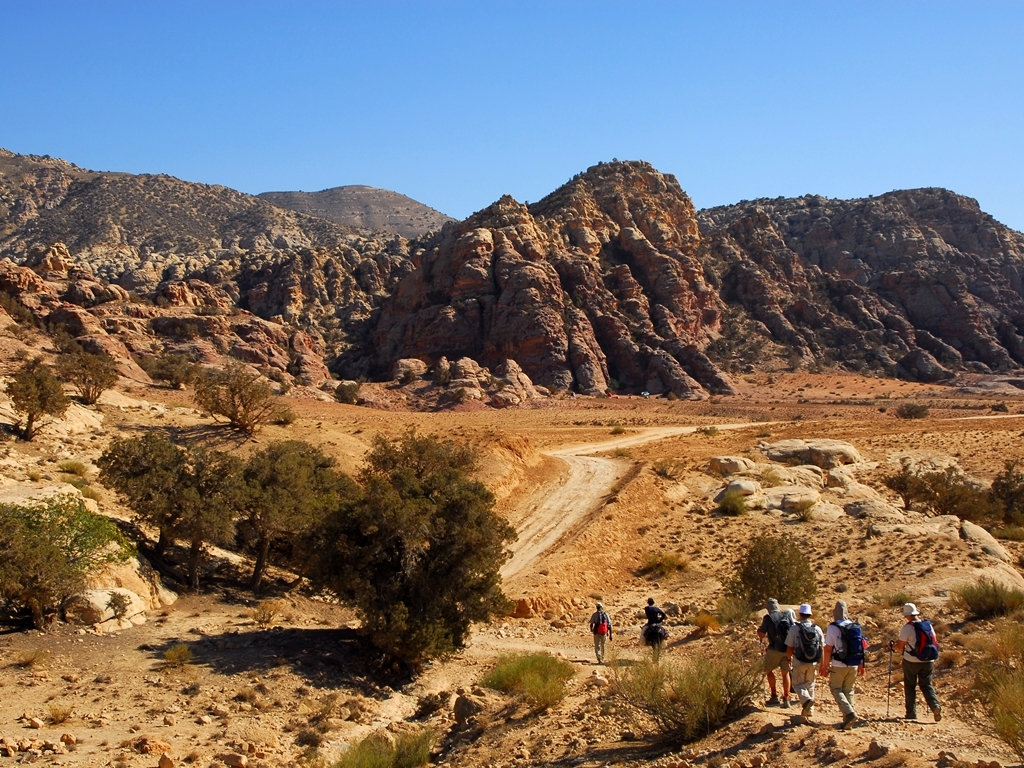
x,y
364,207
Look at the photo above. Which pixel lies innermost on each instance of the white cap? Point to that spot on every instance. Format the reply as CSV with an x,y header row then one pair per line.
x,y
909,609
805,609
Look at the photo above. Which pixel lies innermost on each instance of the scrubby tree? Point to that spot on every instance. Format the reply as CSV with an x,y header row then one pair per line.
x,y
347,392
952,493
908,483
49,548
418,551
237,394
91,375
36,392
175,370
190,494
1008,492
289,487
773,566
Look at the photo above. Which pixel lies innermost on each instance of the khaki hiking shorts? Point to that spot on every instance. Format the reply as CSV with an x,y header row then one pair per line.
x,y
774,660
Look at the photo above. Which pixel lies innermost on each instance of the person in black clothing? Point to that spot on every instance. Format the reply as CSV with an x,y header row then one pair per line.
x,y
653,632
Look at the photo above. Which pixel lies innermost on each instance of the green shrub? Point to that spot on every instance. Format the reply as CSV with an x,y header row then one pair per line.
x,y
773,566
539,677
951,493
347,392
661,565
731,609
60,713
893,599
284,417
986,599
1007,701
237,394
733,504
618,429
118,603
911,411
1008,491
408,750
908,483
691,699
669,470
49,547
1009,533
176,371
804,510
36,392
91,375
707,431
1000,407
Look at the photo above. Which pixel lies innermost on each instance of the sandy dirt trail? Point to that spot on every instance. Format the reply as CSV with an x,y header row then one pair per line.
x,y
555,511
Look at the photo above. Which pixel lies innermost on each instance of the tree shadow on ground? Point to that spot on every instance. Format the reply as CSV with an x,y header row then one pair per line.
x,y
324,658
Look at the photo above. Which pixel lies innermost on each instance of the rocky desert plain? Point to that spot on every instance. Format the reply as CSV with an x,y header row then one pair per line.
x,y
776,340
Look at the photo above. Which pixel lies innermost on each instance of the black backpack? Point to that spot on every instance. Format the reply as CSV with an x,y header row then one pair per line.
x,y
852,653
778,629
808,644
925,648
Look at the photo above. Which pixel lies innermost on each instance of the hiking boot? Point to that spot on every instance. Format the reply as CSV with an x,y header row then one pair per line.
x,y
773,701
938,714
785,703
807,707
911,716
849,720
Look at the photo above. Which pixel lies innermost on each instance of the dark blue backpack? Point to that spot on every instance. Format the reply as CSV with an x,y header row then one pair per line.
x,y
925,647
854,644
778,630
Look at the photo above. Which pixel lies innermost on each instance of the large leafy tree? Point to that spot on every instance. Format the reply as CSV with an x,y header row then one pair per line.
x,y
188,493
289,487
418,552
36,392
49,547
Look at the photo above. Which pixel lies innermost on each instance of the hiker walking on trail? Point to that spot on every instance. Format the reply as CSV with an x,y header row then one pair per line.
x,y
842,660
653,632
803,649
773,631
920,650
601,627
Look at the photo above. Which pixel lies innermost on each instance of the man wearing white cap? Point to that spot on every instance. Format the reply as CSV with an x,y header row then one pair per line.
x,y
920,650
803,648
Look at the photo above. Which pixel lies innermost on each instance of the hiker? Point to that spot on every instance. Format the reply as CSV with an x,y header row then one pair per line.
x,y
653,633
843,660
774,629
920,650
803,649
601,627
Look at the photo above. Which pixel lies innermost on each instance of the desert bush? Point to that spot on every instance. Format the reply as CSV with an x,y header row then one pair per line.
x,y
90,375
1008,491
707,431
804,510
908,483
418,550
179,655
49,547
266,611
661,565
539,677
36,392
911,411
237,394
666,469
347,392
691,699
73,468
731,609
894,599
773,566
1009,532
772,479
118,604
986,599
951,493
284,417
706,621
32,657
18,311
618,429
409,749
950,659
60,713
1007,703
733,504
174,370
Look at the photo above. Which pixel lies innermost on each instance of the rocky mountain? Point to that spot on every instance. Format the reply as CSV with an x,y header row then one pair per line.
x,y
363,207
614,281
919,283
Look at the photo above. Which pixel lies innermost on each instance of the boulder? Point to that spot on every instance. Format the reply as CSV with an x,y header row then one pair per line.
x,y
408,369
822,452
984,540
465,707
743,486
920,365
729,465
789,498
92,607
872,509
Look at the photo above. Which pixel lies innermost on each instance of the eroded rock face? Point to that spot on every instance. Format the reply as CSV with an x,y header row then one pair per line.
x,y
598,281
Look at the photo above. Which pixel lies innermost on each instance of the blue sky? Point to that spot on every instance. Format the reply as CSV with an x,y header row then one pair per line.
x,y
457,103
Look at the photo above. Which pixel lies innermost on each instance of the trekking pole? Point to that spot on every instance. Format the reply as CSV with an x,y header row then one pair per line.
x,y
888,685
764,676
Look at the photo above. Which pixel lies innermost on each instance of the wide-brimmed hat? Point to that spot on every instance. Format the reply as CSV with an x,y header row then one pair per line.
x,y
805,609
909,609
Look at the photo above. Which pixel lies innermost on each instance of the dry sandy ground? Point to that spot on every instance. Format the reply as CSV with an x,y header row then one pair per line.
x,y
586,522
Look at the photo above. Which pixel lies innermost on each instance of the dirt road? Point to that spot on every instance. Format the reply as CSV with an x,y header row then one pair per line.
x,y
555,511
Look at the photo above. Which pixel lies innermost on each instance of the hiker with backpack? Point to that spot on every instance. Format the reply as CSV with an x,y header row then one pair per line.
x,y
774,629
601,627
804,650
920,650
653,633
843,660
